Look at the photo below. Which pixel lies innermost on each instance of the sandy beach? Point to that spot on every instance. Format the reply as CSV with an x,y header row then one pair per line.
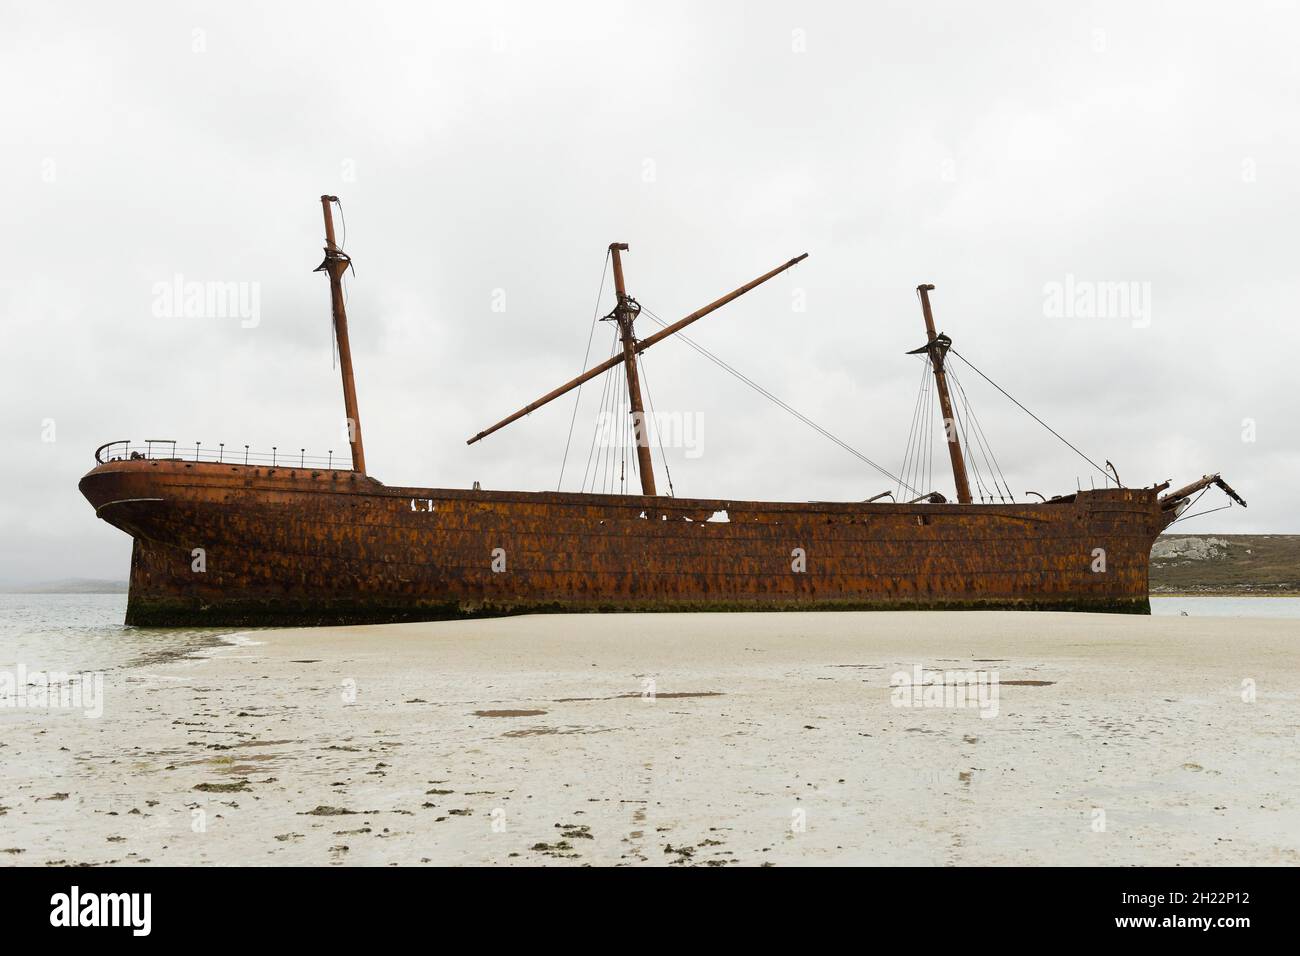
x,y
741,739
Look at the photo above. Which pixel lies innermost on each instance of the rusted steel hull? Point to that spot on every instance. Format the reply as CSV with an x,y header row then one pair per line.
x,y
299,547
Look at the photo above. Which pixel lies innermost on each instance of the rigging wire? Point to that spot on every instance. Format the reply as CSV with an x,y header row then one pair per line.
x,y
911,432
917,474
624,423
646,425
585,355
611,436
914,434
906,450
595,432
961,424
772,398
624,413
982,443
929,441
988,447
925,409
1029,413
605,440
920,451
1197,514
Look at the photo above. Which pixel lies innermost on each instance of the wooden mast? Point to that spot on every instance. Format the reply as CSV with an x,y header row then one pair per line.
x,y
625,314
637,347
937,346
335,264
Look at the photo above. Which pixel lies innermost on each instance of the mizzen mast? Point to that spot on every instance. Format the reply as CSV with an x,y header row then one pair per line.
x,y
938,346
335,264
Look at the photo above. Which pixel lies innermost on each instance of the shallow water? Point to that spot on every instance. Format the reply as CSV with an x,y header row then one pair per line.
x,y
84,632
1282,607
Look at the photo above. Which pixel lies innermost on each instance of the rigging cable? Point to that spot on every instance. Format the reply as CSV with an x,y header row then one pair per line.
x,y
595,434
917,474
1029,413
593,453
612,436
624,476
988,446
624,418
911,432
606,435
658,434
590,335
929,442
916,471
916,458
984,445
772,398
962,426
1197,514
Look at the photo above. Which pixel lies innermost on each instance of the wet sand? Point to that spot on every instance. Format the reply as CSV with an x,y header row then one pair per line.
x,y
769,739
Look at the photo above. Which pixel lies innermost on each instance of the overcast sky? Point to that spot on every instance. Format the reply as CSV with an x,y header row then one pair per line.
x,y
486,156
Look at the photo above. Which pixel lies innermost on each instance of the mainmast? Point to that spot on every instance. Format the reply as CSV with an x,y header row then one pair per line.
x,y
335,264
625,314
938,346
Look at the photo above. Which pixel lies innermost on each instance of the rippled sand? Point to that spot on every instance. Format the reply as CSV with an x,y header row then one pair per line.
x,y
769,739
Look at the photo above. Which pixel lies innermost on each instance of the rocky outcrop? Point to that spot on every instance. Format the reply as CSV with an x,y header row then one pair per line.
x,y
1189,549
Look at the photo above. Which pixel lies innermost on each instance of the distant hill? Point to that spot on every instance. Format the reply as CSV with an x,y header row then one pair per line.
x,y
1226,564
70,586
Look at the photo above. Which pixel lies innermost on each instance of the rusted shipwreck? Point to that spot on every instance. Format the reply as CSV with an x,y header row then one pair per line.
x,y
222,538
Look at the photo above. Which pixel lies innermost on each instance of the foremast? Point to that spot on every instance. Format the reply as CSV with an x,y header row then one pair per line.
x,y
937,347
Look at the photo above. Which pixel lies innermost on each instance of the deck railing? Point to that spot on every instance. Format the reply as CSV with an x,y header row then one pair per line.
x,y
167,449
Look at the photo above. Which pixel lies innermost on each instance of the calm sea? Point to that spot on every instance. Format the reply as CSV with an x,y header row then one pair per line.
x,y
1227,606
84,632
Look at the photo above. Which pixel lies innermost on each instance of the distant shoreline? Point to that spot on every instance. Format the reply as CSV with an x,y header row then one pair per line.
x,y
1226,565
90,587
